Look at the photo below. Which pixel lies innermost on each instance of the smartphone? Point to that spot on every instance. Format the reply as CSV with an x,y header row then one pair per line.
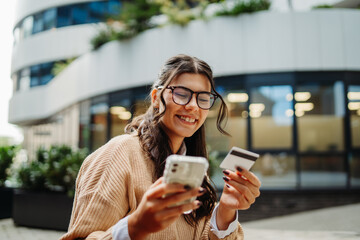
x,y
186,170
239,157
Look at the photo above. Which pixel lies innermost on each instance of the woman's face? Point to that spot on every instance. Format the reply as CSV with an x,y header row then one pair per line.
x,y
182,121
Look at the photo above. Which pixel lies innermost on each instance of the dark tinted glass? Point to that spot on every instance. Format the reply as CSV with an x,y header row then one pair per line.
x,y
80,14
63,16
34,75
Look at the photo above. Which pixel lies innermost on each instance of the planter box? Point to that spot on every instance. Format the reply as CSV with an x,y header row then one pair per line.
x,y
49,210
6,202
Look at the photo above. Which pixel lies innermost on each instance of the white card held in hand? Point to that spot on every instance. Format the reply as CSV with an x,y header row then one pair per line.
x,y
239,157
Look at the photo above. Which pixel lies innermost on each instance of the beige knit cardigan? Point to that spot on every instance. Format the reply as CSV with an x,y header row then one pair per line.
x,y
110,185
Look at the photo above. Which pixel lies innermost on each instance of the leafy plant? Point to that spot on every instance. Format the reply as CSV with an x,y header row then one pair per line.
x,y
242,6
61,65
7,153
53,169
133,19
322,6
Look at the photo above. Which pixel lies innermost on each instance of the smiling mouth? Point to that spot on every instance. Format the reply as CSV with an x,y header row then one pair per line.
x,y
187,119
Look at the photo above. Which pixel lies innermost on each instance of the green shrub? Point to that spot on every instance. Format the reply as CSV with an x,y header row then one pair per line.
x,y
134,18
53,169
243,6
61,65
7,153
322,6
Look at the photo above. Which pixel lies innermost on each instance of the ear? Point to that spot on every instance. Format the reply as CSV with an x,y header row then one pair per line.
x,y
154,98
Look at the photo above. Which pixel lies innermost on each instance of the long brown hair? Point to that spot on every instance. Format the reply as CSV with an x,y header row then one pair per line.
x,y
155,141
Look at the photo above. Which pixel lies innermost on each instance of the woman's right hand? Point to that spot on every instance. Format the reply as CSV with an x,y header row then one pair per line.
x,y
154,212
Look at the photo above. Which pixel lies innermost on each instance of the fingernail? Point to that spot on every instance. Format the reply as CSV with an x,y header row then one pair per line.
x,y
226,178
239,169
187,187
202,190
199,204
227,185
226,172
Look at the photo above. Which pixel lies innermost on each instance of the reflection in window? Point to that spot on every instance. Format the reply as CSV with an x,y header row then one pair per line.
x,y
50,18
120,116
322,171
35,75
276,170
38,23
27,26
141,105
355,170
41,74
354,109
84,125
271,112
16,35
236,100
46,74
24,80
98,124
320,114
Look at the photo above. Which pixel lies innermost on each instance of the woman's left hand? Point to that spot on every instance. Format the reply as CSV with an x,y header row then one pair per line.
x,y
240,191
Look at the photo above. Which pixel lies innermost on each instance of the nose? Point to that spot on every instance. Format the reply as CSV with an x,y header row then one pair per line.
x,y
192,104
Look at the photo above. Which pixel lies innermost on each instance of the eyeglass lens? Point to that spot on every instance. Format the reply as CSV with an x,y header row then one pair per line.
x,y
182,96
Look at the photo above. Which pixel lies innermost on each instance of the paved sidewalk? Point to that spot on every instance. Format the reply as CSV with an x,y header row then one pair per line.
x,y
325,224
330,223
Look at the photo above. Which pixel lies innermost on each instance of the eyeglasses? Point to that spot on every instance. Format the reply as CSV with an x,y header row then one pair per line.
x,y
183,95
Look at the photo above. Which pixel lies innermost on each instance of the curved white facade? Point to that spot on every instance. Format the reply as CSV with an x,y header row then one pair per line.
x,y
53,45
253,43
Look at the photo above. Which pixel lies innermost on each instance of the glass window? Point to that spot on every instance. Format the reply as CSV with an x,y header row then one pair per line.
x,y
276,170
84,125
35,75
113,7
27,26
120,116
320,114
271,113
99,113
355,170
141,104
63,16
79,14
38,23
97,11
14,79
16,34
46,74
50,18
236,100
354,109
24,80
324,171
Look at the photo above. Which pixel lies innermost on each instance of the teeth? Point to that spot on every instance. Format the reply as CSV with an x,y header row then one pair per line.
x,y
187,119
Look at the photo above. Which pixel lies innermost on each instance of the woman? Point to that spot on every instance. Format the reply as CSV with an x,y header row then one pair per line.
x,y
120,189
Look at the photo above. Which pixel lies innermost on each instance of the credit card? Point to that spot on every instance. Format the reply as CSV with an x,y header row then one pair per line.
x,y
239,157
